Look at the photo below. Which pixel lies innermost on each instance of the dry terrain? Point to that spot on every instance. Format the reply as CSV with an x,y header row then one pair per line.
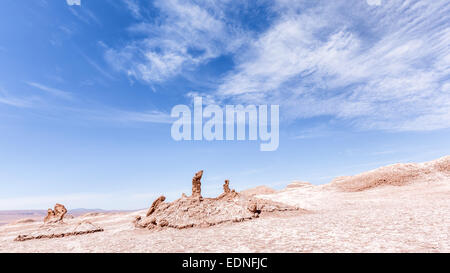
x,y
14,216
398,208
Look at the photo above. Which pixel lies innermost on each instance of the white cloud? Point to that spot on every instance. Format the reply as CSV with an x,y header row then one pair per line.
x,y
144,116
99,113
85,15
79,109
385,71
97,67
8,99
373,2
187,34
73,2
376,68
133,7
53,91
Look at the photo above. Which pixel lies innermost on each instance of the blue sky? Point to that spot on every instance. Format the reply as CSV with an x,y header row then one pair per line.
x,y
86,89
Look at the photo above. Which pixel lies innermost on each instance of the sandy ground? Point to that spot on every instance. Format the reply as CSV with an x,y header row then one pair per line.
x,y
411,218
398,208
11,216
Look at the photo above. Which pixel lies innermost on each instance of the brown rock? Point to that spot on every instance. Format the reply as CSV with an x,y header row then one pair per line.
x,y
227,192
56,215
147,222
196,211
163,223
155,204
253,207
50,215
136,221
60,211
197,185
59,231
226,186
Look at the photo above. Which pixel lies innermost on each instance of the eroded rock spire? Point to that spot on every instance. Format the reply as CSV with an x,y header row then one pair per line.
x,y
155,204
226,186
56,215
197,185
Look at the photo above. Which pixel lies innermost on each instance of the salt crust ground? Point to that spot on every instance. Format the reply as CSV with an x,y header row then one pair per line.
x,y
412,216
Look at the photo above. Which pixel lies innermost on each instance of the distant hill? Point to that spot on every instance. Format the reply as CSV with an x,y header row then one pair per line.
x,y
8,216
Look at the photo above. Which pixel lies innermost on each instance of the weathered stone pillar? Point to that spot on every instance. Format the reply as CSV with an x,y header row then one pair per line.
x,y
197,185
226,187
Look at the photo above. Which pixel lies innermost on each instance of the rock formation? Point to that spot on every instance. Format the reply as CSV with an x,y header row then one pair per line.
x,y
56,215
197,185
226,186
226,191
393,175
54,227
155,204
196,211
258,191
50,215
59,231
253,208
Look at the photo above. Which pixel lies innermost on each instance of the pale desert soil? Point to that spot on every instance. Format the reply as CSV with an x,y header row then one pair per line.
x,y
414,217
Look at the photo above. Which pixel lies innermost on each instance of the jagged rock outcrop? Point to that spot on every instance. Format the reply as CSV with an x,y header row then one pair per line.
x,y
58,231
56,215
163,223
155,204
54,227
196,211
50,215
197,185
227,193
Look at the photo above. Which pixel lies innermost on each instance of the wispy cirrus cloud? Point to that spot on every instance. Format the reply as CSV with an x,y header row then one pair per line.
x,y
373,64
108,114
97,67
83,14
52,91
77,108
374,2
33,99
184,35
73,2
382,68
133,7
21,102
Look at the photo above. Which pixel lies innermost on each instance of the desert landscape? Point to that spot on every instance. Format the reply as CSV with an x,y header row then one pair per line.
x,y
397,208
